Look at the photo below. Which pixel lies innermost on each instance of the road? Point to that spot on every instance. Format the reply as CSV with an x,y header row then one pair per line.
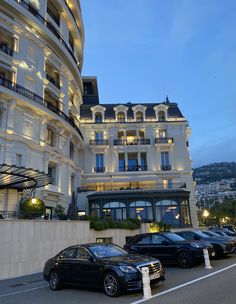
x,y
188,286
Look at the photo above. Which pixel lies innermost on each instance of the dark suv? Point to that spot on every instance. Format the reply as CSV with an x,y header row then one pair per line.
x,y
169,248
222,247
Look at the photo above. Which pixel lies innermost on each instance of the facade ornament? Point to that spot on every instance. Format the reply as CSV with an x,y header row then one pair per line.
x,y
29,193
2,107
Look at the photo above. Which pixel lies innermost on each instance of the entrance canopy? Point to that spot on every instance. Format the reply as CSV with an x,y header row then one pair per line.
x,y
15,177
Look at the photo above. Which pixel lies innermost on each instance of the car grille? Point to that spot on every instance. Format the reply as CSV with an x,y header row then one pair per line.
x,y
153,267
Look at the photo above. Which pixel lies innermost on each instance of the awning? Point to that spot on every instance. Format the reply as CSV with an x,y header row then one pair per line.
x,y
15,177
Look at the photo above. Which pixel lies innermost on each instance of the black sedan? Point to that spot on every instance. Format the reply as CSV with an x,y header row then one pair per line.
x,y
222,246
104,266
169,248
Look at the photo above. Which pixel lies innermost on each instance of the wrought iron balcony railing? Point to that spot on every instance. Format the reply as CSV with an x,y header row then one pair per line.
x,y
164,140
99,169
126,142
31,95
98,142
166,167
34,12
132,168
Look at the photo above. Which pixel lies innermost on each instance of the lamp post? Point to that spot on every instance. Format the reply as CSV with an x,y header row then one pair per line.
x,y
205,215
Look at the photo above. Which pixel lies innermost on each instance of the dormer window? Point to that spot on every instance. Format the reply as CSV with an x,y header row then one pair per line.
x,y
139,116
161,116
121,117
98,117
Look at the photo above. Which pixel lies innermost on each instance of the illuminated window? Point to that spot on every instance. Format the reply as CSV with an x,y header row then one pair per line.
x,y
121,117
161,116
139,116
98,117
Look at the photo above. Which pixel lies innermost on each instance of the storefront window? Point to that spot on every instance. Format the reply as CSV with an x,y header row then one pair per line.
x,y
167,211
115,209
185,216
95,210
141,210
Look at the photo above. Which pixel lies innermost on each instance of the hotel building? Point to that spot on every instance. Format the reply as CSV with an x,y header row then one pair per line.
x,y
122,160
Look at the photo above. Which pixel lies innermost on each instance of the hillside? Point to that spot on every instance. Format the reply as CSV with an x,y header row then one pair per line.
x,y
214,172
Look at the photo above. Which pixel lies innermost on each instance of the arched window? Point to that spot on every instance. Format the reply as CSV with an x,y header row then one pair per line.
x,y
141,210
95,210
121,117
139,116
115,209
161,116
167,211
98,117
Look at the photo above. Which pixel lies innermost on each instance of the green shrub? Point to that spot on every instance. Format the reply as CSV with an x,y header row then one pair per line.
x,y
30,210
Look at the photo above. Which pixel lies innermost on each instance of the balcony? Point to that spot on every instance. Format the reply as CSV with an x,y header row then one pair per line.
x,y
33,11
166,167
132,168
5,49
98,142
53,81
99,169
31,95
127,142
164,140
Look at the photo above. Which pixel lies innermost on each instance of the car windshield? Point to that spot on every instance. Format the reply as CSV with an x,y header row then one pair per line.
x,y
210,233
201,234
174,237
106,251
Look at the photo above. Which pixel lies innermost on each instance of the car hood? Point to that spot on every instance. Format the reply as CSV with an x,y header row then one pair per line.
x,y
201,243
130,259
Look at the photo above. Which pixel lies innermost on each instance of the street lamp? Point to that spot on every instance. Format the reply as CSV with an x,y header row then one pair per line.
x,y
205,215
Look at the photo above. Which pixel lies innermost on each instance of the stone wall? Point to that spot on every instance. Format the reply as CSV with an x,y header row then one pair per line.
x,y
25,245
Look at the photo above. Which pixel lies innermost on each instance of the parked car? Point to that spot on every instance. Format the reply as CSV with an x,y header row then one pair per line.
x,y
99,265
222,247
169,248
227,231
222,235
230,227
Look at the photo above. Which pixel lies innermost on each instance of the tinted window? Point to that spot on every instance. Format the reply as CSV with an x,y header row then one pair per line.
x,y
145,240
83,254
174,237
158,239
201,234
103,251
68,254
187,236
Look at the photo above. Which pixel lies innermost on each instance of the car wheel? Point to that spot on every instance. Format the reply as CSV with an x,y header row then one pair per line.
x,y
111,285
185,259
54,280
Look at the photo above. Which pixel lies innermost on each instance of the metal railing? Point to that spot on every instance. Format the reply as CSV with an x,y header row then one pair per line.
x,y
133,168
128,186
126,142
98,142
33,11
99,169
166,167
5,49
31,95
164,140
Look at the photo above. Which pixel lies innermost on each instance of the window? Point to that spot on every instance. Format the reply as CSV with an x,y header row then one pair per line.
x,y
185,214
72,150
52,172
18,160
53,12
115,209
167,183
143,158
72,182
132,161
71,41
165,161
121,117
162,133
52,100
52,74
141,210
83,254
68,254
161,116
145,240
50,136
95,210
167,211
98,117
121,162
139,116
106,240
99,163
158,239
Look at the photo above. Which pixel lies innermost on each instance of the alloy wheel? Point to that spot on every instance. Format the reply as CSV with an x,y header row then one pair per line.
x,y
111,285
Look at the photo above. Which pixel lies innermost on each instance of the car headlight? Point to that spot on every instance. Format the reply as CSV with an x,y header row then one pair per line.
x,y
128,269
195,245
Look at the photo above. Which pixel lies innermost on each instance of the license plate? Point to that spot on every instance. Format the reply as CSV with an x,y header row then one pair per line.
x,y
154,276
